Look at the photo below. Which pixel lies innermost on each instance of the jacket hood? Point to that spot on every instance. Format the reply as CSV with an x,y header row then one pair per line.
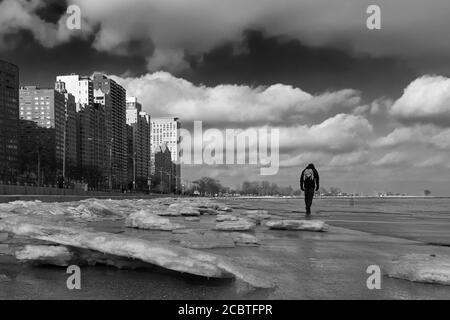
x,y
310,166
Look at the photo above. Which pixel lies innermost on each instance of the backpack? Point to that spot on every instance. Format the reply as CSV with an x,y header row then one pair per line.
x,y
308,175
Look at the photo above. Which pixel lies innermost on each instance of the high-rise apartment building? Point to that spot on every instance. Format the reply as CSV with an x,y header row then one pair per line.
x,y
45,107
166,132
139,166
9,119
131,158
112,97
37,154
93,145
94,148
81,87
166,172
70,131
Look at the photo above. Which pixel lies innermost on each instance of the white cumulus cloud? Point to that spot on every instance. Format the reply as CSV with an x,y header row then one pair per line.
x,y
238,105
425,100
392,159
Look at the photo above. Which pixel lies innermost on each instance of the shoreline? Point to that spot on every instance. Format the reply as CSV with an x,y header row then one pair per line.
x,y
68,198
333,197
118,196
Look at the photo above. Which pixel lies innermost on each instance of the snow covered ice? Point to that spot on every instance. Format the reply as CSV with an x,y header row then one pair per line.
x,y
65,228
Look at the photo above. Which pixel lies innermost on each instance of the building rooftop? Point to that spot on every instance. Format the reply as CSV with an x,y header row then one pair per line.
x,y
10,64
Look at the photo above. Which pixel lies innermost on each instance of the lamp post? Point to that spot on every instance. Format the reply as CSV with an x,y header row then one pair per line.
x,y
149,177
39,167
64,149
161,180
176,184
169,176
134,170
110,164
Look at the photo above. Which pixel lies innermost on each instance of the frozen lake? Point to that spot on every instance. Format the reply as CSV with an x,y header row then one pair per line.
x,y
304,265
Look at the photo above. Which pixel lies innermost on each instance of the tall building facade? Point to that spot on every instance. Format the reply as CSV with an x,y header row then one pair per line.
x,y
37,154
139,166
9,120
70,132
165,170
81,87
131,157
94,149
166,133
45,107
112,97
92,144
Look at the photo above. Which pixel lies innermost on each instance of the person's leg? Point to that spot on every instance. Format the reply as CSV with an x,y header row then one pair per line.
x,y
306,200
309,195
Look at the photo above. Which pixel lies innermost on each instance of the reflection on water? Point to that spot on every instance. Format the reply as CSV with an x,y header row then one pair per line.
x,y
433,206
102,282
352,202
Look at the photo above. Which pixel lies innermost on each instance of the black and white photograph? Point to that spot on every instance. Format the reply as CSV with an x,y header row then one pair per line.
x,y
239,153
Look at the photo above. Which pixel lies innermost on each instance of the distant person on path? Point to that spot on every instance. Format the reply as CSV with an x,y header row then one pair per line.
x,y
309,184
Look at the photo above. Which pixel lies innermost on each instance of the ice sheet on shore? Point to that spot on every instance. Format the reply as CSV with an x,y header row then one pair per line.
x,y
167,256
224,208
226,217
89,209
300,225
107,209
197,239
52,255
192,219
208,211
189,211
147,220
241,238
207,240
64,256
423,268
257,215
4,278
238,225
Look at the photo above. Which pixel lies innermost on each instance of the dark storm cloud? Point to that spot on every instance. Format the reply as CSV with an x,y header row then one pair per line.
x,y
305,57
39,65
263,60
165,32
256,60
52,10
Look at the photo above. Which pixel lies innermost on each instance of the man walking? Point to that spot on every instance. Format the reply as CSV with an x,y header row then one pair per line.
x,y
309,183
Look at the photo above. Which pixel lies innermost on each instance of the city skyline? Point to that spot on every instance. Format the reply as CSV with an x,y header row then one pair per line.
x,y
86,130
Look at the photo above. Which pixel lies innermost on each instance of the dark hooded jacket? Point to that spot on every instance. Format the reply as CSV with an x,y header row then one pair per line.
x,y
309,184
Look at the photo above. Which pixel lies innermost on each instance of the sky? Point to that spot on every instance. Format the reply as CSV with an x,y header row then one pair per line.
x,y
371,108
